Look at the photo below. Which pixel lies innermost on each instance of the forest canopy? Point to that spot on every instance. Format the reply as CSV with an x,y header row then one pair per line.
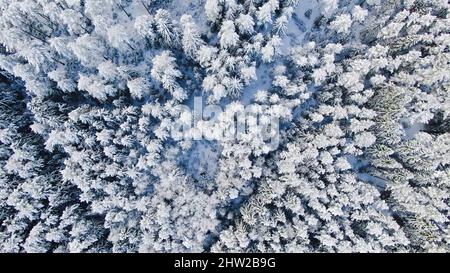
x,y
118,126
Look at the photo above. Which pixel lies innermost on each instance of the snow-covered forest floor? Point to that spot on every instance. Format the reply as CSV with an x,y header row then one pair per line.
x,y
224,125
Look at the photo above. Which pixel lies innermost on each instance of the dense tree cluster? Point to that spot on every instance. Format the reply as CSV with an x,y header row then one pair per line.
x,y
359,159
